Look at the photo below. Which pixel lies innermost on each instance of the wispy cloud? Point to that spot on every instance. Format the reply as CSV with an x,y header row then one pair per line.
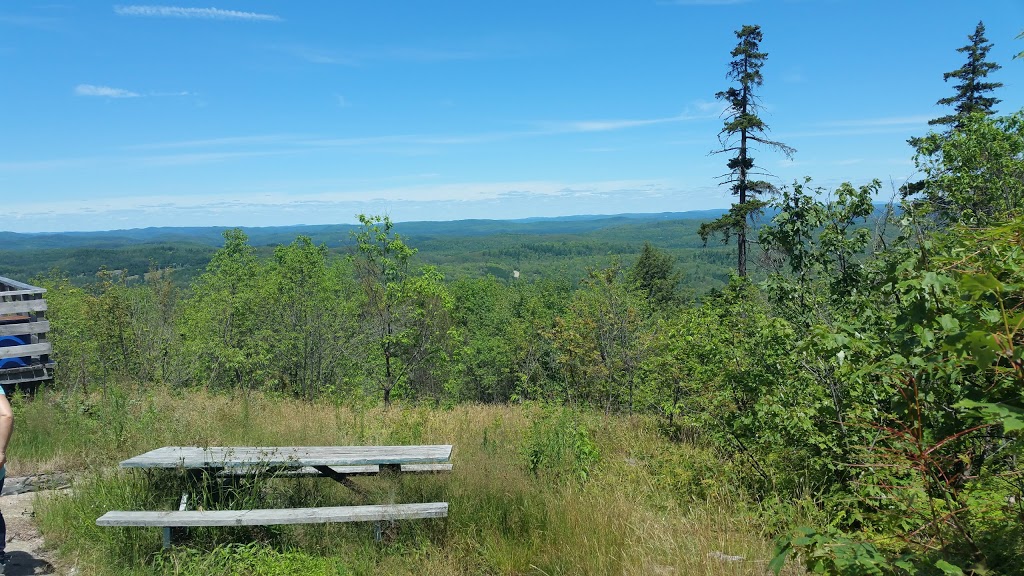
x,y
108,92
861,127
318,56
703,2
292,141
872,122
104,91
262,203
609,125
704,112
428,55
218,142
157,160
195,13
226,149
315,55
172,94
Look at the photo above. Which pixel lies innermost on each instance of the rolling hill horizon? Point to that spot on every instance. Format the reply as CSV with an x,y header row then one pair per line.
x,y
333,234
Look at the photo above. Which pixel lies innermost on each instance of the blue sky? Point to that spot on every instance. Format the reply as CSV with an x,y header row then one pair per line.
x,y
259,113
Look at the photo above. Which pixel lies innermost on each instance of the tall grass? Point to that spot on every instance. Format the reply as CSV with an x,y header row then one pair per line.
x,y
534,490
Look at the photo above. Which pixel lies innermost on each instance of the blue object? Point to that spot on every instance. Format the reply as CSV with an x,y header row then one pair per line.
x,y
12,363
6,341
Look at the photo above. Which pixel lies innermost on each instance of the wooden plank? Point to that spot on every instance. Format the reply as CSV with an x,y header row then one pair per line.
x,y
289,472
8,294
24,374
287,456
369,470
424,468
7,282
40,327
265,517
19,306
27,350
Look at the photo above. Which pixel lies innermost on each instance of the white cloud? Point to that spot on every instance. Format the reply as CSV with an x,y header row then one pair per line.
x,y
199,13
609,125
622,124
104,91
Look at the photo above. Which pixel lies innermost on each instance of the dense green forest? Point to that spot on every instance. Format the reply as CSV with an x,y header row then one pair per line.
x,y
864,380
547,248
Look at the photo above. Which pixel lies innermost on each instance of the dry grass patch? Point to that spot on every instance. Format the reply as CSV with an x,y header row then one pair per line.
x,y
534,490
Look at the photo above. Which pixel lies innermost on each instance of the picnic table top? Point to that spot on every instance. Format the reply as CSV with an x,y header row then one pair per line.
x,y
290,456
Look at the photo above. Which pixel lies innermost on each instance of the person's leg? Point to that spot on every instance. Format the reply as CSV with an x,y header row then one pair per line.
x,y
3,529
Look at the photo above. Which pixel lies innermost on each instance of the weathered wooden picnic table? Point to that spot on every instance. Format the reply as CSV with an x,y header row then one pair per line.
x,y
335,462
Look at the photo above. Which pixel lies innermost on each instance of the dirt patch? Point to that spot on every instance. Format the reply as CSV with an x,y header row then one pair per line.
x,y
24,542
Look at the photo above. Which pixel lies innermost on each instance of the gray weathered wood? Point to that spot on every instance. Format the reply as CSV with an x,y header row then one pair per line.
x,y
288,472
16,286
22,306
25,374
42,348
287,456
19,294
369,470
264,517
427,467
25,328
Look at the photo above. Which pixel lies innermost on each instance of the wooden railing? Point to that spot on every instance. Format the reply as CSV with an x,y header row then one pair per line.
x,y
25,348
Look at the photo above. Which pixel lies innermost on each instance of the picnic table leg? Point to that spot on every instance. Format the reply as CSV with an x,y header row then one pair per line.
x,y
340,478
167,529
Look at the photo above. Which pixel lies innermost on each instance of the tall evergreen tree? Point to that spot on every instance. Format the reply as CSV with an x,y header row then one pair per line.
x,y
970,93
970,98
655,276
743,129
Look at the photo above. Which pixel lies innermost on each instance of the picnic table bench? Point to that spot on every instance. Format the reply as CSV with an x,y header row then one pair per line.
x,y
335,462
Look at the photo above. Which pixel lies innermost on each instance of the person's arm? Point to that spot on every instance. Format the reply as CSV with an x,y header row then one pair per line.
x,y
6,426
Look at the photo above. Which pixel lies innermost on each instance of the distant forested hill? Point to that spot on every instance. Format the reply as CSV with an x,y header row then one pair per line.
x,y
332,234
537,247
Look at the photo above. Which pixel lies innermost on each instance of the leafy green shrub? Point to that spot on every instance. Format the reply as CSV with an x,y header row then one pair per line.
x,y
559,442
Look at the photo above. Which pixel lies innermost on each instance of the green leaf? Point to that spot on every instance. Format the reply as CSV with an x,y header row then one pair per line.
x,y
948,323
948,569
1010,417
983,347
906,566
979,284
781,552
991,315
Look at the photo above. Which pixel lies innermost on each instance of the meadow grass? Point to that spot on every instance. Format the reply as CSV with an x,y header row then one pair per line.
x,y
534,490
